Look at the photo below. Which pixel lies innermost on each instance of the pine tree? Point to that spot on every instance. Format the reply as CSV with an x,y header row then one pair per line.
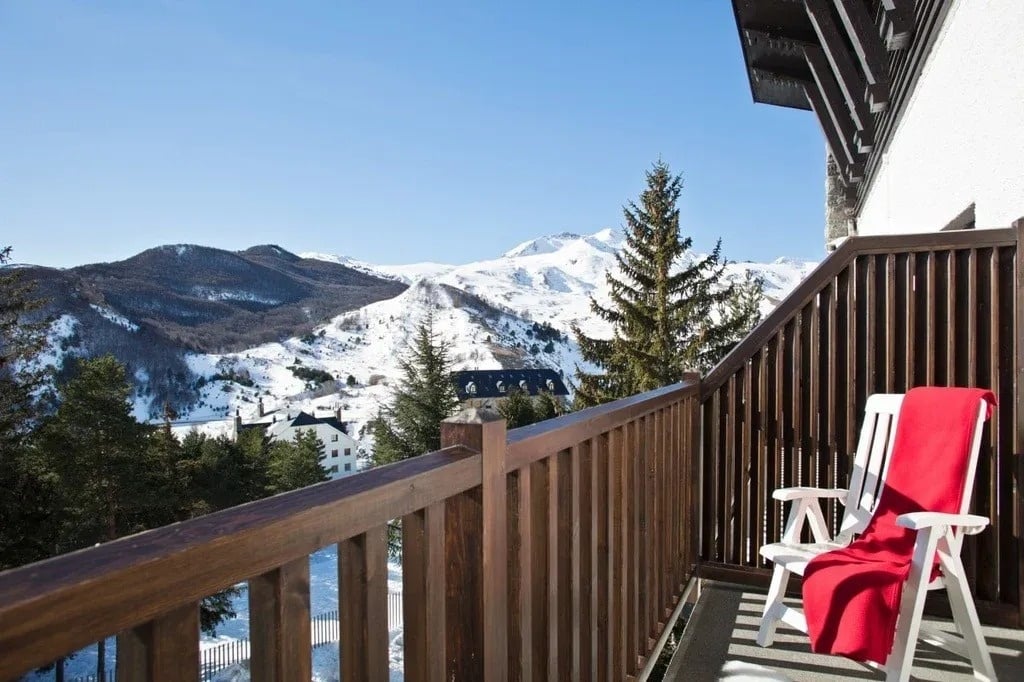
x,y
98,454
546,406
663,305
517,408
26,491
742,309
411,424
296,464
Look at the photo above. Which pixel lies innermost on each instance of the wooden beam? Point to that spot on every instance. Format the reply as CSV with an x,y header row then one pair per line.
x,y
850,82
833,101
775,42
867,43
851,170
898,23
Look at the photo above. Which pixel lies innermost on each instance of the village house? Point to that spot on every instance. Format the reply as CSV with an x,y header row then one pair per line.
x,y
340,449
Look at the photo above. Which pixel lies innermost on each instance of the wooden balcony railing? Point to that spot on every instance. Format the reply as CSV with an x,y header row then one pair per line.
x,y
559,550
549,551
880,314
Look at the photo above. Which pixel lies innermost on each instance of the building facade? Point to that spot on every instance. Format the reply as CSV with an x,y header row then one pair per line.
x,y
340,451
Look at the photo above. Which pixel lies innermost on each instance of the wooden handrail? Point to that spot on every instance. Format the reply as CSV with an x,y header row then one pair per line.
x,y
554,548
527,444
69,601
827,270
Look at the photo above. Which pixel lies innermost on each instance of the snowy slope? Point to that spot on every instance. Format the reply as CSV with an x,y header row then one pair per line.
x,y
485,310
550,279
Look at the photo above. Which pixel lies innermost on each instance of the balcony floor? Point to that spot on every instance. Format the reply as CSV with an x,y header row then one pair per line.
x,y
718,644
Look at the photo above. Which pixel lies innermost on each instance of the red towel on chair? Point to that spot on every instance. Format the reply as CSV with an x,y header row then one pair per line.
x,y
852,595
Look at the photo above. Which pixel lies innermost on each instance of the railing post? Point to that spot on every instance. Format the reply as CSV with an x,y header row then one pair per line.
x,y
693,470
1018,411
279,624
165,649
476,550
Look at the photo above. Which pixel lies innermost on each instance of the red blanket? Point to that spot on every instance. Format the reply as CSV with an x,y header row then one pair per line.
x,y
852,595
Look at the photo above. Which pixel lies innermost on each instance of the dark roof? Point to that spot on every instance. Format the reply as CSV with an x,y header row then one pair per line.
x,y
773,34
495,383
306,419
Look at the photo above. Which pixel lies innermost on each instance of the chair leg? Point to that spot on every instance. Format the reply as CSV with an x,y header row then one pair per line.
x,y
966,618
773,606
908,623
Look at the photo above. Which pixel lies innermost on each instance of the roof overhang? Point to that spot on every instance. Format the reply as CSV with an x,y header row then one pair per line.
x,y
828,56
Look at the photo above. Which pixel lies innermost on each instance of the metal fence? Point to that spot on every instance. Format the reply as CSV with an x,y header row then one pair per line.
x,y
325,630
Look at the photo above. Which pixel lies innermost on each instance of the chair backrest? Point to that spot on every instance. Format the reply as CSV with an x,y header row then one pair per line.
x,y
871,462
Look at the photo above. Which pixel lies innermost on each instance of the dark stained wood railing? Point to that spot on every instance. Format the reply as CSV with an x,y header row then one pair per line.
x,y
880,314
555,550
146,587
602,534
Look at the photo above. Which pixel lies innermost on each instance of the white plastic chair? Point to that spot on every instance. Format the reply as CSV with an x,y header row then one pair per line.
x,y
937,534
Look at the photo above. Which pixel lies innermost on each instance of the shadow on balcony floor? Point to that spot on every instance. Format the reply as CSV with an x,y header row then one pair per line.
x,y
719,645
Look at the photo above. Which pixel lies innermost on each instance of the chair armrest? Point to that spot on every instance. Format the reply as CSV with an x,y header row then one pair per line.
x,y
788,494
967,523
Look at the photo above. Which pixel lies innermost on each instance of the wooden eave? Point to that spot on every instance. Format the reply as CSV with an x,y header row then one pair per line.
x,y
872,50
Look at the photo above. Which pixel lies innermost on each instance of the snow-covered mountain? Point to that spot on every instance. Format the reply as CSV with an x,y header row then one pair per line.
x,y
489,311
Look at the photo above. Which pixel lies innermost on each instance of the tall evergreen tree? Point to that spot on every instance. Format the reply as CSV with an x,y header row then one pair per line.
x,y
26,492
296,464
411,424
98,454
664,308
743,308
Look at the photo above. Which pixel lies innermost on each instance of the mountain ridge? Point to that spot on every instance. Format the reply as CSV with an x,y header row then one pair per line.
x,y
515,310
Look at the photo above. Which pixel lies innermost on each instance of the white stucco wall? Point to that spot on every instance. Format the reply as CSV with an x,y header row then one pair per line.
x,y
326,434
961,139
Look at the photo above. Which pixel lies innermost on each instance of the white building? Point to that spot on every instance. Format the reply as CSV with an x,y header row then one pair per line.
x,y
921,103
340,450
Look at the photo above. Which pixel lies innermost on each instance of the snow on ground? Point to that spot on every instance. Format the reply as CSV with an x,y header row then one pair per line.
x,y
114,317
367,344
233,295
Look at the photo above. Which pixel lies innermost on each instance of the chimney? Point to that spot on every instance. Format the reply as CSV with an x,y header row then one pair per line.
x,y
337,412
238,423
259,407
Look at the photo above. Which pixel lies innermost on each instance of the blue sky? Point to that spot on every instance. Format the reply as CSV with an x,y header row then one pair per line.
x,y
389,131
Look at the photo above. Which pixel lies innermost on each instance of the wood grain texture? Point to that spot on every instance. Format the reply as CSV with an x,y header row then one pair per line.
x,y
279,625
362,605
618,552
540,566
476,597
530,443
885,314
86,591
423,593
165,649
836,262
